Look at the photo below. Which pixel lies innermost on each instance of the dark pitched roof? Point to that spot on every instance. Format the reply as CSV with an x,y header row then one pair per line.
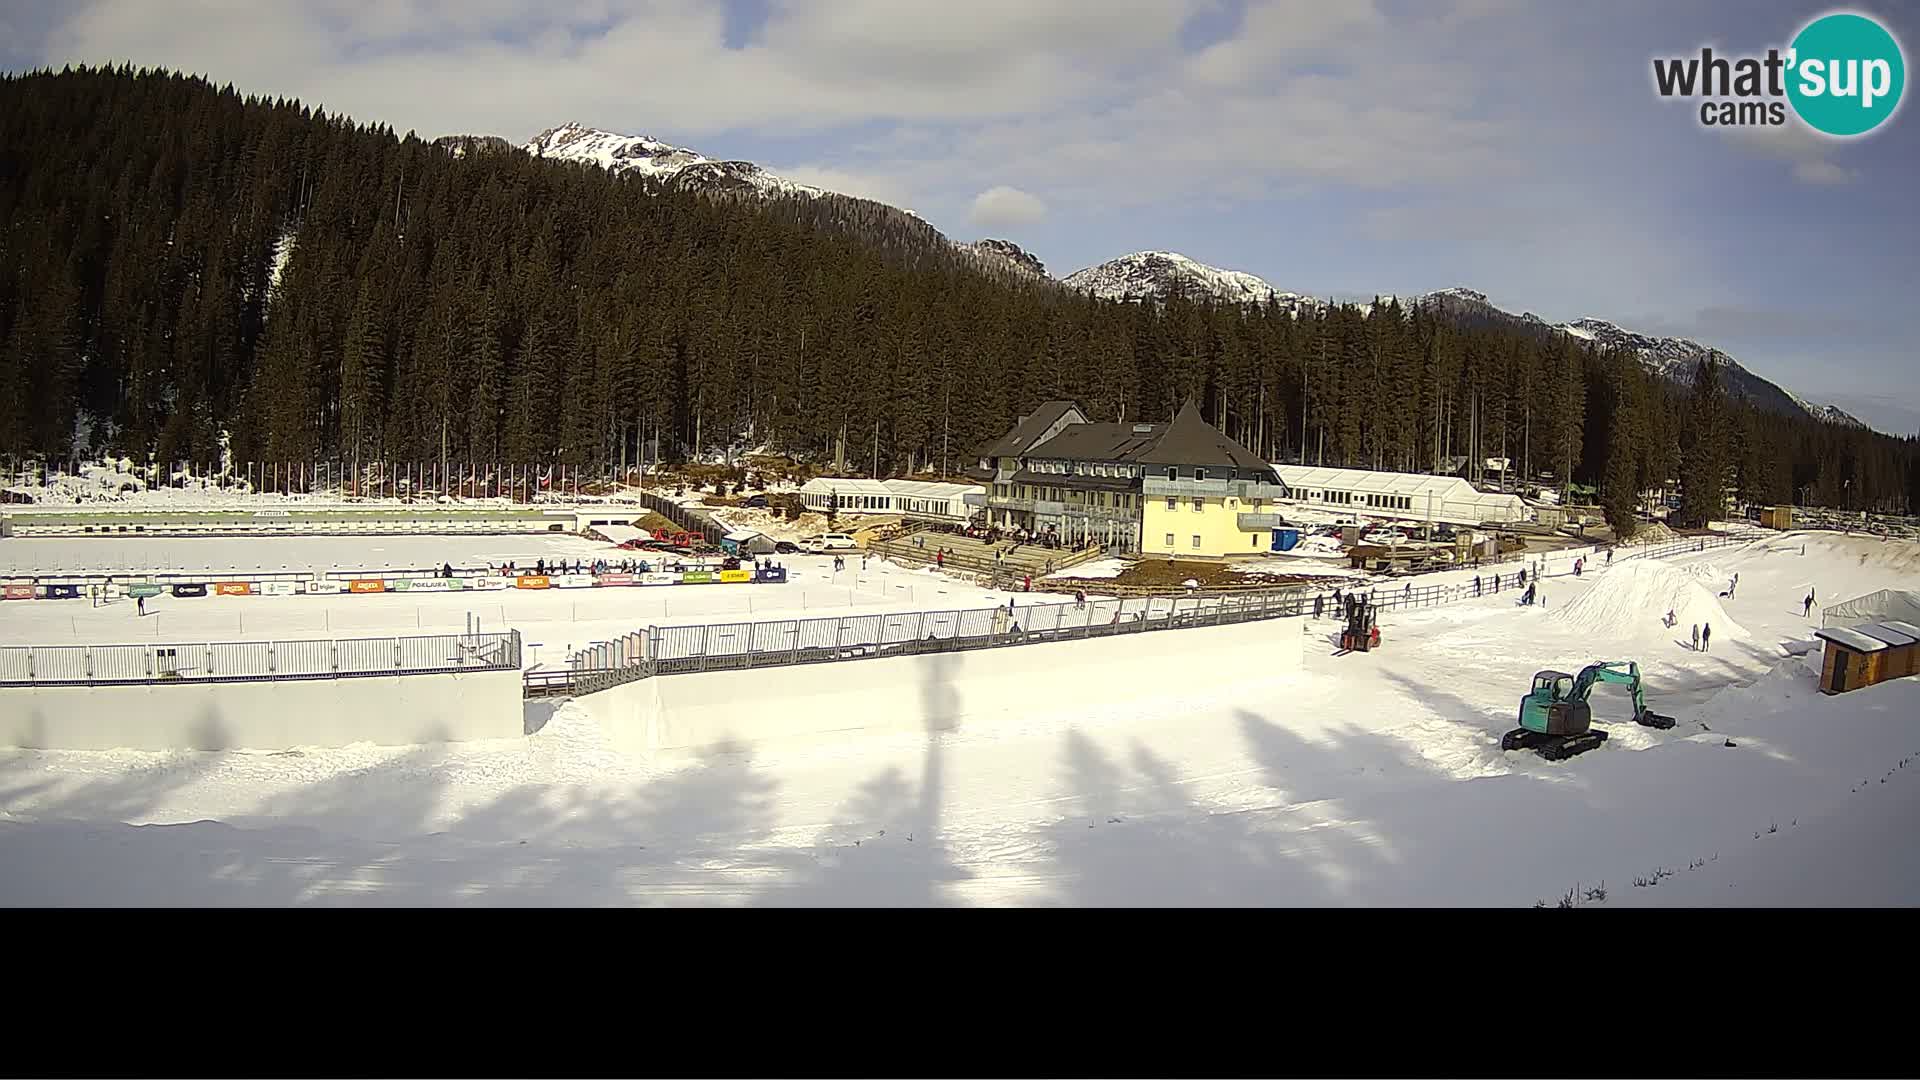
x,y
1099,442
1073,480
1192,441
1031,427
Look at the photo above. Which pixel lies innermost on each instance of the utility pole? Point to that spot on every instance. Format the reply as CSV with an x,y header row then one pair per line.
x,y
945,419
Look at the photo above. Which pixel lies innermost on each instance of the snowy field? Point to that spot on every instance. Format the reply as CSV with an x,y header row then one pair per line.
x,y
21,556
1367,779
553,622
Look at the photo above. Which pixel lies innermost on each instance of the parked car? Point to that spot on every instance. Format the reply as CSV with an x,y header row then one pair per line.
x,y
829,542
785,547
756,502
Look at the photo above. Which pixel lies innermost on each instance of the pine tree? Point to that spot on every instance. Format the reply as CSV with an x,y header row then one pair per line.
x,y
1703,447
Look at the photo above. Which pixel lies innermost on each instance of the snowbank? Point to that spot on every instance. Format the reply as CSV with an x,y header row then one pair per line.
x,y
1097,568
1633,598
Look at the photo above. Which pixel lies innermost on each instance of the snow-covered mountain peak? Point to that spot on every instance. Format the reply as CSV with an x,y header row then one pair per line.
x,y
1156,274
644,155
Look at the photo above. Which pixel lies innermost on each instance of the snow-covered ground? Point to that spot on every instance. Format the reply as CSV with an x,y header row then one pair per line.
x,y
1365,779
552,622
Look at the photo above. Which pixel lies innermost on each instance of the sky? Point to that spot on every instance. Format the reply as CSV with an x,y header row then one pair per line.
x,y
1341,149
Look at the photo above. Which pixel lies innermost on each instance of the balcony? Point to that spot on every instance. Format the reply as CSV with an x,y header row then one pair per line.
x,y
1261,522
1246,490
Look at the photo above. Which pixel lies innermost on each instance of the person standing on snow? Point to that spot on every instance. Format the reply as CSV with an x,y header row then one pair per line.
x,y
1807,607
1696,637
1706,638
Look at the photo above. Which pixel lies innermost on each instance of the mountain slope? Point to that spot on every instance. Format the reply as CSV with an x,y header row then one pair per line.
x,y
1156,274
1143,274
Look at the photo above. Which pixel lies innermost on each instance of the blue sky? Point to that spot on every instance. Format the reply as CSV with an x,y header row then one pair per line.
x,y
1336,148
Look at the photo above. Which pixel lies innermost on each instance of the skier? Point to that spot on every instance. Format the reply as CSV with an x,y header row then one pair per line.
x,y
1706,638
1696,637
1807,607
1670,619
1319,604
1609,556
141,603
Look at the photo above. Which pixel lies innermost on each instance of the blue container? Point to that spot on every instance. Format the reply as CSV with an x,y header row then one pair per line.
x,y
1286,539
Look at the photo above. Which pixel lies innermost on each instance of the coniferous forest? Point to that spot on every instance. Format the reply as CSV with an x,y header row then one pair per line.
x,y
181,260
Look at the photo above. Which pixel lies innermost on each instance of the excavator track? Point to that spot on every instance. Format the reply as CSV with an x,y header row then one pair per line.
x,y
1652,719
1552,747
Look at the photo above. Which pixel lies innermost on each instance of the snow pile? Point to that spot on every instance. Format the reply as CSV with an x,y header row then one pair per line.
x,y
1098,568
1651,533
1631,599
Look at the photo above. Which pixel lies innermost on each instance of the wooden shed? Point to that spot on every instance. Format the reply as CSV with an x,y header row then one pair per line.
x,y
1777,517
1858,656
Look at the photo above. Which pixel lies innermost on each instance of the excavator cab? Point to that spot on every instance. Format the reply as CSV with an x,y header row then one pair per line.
x,y
1551,709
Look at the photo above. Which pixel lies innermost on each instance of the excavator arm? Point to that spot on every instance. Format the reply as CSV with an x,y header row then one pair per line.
x,y
1620,673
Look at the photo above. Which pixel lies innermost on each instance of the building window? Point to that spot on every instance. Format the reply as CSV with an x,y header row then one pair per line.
x,y
1169,541
1199,474
1199,504
1172,504
1196,541
1173,472
1256,541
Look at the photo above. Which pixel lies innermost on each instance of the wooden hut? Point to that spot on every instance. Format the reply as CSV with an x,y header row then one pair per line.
x,y
1858,656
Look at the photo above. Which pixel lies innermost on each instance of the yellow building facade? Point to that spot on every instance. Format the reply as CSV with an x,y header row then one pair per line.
x,y
1205,526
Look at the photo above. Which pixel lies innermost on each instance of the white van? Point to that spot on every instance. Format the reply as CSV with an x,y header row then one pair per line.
x,y
828,542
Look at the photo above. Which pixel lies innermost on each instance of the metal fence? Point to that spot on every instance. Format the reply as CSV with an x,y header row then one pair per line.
x,y
727,646
669,650
257,661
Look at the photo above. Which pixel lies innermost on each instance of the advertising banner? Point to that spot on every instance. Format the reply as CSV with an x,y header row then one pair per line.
x,y
25,592
325,585
531,581
616,579
659,578
233,588
190,590
279,588
61,592
573,581
428,585
141,590
731,576
366,585
490,583
771,576
697,577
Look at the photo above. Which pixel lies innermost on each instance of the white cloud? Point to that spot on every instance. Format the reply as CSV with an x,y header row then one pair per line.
x,y
999,207
1807,150
1822,172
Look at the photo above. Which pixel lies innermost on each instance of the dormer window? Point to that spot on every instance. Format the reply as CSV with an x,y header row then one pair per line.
x,y
1199,474
1173,472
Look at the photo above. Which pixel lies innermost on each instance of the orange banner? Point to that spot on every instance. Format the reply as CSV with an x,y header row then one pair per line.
x,y
530,581
366,585
233,588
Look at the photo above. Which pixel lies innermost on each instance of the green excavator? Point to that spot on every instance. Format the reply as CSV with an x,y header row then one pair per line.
x,y
1557,722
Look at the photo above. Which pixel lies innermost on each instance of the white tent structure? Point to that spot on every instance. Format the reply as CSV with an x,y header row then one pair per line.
x,y
1398,496
914,498
1887,604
